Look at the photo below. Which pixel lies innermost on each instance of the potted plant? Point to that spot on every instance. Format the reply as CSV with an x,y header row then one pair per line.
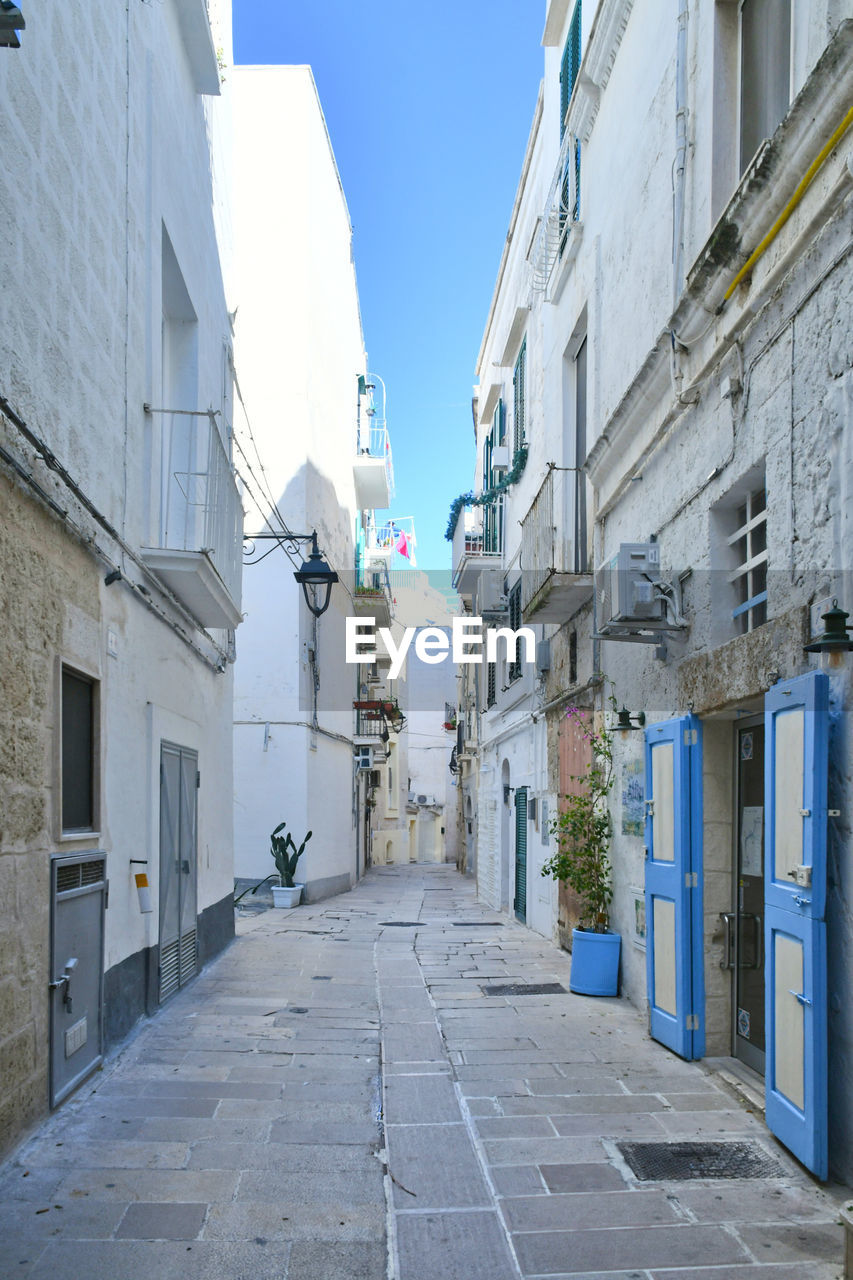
x,y
287,893
583,830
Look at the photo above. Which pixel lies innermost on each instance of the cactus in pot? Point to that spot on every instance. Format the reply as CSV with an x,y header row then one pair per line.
x,y
286,863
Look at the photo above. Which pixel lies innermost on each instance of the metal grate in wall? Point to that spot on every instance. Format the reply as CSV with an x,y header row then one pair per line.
x,y
683,1161
78,875
169,970
188,955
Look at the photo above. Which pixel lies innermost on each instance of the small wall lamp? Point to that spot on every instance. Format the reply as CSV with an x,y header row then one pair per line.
x,y
315,572
835,639
625,721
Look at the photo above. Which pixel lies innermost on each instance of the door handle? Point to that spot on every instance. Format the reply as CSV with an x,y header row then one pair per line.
x,y
185,866
798,995
65,981
727,918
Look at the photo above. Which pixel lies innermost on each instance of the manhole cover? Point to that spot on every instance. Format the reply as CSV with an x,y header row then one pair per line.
x,y
399,924
477,924
680,1161
525,989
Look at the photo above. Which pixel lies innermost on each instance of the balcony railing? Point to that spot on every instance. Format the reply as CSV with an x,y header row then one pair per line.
x,y
201,521
555,578
383,538
562,212
477,542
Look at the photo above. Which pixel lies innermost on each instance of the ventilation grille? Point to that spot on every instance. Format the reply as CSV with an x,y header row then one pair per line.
x,y
169,970
79,875
188,956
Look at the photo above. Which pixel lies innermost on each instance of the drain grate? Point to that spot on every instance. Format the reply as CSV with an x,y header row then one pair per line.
x,y
525,989
400,924
680,1161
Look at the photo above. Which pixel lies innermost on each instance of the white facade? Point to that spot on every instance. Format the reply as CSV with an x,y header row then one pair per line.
x,y
707,405
300,353
120,555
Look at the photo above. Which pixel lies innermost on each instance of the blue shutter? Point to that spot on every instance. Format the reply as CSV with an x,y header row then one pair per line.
x,y
673,889
796,766
521,854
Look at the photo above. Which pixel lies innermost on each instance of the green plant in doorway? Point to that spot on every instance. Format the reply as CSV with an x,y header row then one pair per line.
x,y
583,828
286,863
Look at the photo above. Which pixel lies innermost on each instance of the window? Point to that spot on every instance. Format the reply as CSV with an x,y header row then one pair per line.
x,y
491,684
78,752
514,668
519,389
580,458
765,71
749,541
739,556
499,424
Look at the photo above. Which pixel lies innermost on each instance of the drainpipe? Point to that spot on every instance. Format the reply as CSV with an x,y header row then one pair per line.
x,y
679,182
680,166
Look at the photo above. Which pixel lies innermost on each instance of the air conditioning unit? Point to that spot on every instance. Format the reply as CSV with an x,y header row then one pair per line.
x,y
543,657
492,603
627,587
363,758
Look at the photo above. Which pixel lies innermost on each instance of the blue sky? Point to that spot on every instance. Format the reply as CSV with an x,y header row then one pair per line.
x,y
429,108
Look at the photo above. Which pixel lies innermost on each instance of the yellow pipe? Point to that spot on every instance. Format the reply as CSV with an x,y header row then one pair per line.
x,y
804,185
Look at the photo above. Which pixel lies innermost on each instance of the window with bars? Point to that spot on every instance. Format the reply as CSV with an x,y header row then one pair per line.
x,y
749,577
514,668
519,389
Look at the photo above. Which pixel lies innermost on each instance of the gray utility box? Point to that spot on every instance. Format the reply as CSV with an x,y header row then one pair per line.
x,y
78,899
626,585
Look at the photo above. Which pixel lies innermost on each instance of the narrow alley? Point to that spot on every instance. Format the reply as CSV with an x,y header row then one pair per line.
x,y
397,1082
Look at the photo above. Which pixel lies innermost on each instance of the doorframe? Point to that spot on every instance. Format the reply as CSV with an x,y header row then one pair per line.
x,y
745,722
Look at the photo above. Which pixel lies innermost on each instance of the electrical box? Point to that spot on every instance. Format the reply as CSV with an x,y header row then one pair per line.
x,y
543,657
627,588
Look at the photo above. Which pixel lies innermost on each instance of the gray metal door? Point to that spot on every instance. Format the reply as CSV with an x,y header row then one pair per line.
x,y
178,866
78,900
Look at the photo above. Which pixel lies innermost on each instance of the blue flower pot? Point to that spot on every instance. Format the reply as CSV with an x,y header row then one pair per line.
x,y
595,963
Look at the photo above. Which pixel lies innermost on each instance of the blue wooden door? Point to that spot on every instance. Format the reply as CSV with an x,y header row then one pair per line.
x,y
796,715
673,888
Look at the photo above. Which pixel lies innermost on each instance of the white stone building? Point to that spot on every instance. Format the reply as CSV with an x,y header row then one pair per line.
x,y
318,458
120,542
678,273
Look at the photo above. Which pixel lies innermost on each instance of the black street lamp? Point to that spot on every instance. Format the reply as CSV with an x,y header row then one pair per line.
x,y
315,571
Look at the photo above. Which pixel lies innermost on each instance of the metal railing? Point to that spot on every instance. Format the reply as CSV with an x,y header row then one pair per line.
x,y
553,533
201,508
562,209
479,531
384,536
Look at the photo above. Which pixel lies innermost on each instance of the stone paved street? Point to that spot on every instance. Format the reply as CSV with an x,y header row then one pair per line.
x,y
336,1098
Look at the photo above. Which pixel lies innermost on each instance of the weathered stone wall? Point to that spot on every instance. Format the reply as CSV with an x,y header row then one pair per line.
x,y
40,568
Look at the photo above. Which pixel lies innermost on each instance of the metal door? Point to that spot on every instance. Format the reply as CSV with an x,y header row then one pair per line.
x,y
745,923
796,783
78,900
673,888
520,903
178,870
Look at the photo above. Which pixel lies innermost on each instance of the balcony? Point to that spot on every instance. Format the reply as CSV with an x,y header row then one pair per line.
x,y
373,468
381,540
555,580
477,543
372,595
201,526
560,229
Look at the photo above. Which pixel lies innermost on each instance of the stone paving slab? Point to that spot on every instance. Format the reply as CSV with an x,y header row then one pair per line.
x,y
255,1129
